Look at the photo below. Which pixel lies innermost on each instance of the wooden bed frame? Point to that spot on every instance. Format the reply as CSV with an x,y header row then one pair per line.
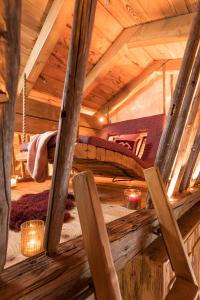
x,y
100,161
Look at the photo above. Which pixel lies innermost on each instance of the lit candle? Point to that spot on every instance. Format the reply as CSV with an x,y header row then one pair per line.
x,y
132,198
32,233
13,182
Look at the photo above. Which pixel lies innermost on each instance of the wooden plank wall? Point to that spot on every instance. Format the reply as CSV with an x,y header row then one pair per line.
x,y
42,117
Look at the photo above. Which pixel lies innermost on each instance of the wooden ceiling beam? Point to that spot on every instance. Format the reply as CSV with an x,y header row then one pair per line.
x,y
54,25
168,30
131,88
173,64
107,59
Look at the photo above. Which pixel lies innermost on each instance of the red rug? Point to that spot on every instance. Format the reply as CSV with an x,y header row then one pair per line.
x,y
34,207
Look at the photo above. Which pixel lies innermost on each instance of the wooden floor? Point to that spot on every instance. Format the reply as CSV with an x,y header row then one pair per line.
x,y
113,206
109,190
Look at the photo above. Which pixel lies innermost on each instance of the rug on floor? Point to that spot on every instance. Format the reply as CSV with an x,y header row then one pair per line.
x,y
34,207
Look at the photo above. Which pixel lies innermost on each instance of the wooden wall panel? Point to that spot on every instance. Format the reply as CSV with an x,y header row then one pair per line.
x,y
41,117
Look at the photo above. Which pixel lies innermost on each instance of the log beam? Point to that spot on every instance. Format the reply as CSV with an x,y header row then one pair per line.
x,y
67,132
183,78
173,146
168,30
187,140
52,29
107,59
10,18
68,275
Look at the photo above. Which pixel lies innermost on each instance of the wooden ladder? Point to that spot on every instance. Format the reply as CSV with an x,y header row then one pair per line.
x,y
95,238
185,286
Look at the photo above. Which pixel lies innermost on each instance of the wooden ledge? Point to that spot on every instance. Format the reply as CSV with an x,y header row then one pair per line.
x,y
68,274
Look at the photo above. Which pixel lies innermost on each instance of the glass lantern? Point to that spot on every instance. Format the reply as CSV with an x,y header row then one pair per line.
x,y
32,235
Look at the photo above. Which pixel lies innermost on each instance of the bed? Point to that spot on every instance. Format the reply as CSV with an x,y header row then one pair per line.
x,y
107,157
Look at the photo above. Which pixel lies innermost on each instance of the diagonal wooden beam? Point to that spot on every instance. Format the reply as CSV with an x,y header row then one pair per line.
x,y
131,88
107,59
51,31
169,227
169,30
83,21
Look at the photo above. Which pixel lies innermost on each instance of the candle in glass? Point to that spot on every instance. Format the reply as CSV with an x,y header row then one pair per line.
x,y
132,198
32,233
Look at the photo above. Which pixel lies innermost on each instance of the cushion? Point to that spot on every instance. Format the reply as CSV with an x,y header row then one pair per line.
x,y
126,143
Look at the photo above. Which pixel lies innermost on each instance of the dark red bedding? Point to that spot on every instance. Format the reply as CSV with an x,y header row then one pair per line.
x,y
108,145
153,125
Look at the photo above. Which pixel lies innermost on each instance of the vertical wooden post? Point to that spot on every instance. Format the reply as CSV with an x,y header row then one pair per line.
x,y
10,11
95,237
83,20
179,92
191,162
181,85
181,120
185,144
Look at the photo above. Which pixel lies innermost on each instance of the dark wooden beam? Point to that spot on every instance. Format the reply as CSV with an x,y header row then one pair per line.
x,y
10,18
68,276
68,124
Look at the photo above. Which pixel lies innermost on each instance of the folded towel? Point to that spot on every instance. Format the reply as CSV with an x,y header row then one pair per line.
x,y
37,163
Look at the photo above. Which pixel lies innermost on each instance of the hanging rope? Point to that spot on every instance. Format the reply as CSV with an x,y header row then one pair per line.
x,y
24,112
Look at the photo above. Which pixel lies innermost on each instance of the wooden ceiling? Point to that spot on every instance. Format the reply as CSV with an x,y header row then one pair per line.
x,y
121,50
